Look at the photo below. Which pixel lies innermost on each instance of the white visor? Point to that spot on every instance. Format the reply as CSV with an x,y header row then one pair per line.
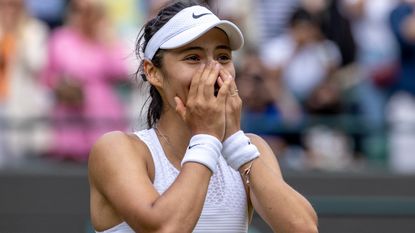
x,y
188,25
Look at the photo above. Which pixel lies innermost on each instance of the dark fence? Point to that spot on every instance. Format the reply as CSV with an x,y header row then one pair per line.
x,y
47,196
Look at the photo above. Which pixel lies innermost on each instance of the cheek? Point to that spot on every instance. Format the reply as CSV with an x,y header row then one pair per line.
x,y
180,82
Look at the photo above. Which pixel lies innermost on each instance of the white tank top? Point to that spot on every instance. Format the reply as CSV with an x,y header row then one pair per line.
x,y
225,209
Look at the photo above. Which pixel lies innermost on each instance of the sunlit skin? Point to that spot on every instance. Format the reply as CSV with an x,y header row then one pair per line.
x,y
178,69
186,84
179,65
121,169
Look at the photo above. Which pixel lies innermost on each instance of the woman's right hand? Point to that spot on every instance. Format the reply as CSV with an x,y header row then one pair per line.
x,y
203,112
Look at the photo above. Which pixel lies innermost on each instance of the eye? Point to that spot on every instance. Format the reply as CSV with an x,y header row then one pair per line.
x,y
224,58
192,58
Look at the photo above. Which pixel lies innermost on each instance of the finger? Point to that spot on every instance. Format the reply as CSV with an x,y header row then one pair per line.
x,y
233,86
205,73
223,75
224,92
220,81
227,76
180,108
210,81
194,84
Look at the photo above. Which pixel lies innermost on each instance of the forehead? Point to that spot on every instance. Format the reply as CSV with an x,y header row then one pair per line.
x,y
212,38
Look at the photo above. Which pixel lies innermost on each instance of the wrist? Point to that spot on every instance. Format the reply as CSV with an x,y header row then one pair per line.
x,y
238,150
245,171
204,149
230,132
207,133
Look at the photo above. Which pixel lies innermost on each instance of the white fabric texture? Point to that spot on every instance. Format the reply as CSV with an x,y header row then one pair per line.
x,y
225,209
238,150
204,149
188,25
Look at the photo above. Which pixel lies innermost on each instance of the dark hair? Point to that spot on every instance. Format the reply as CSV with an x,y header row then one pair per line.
x,y
302,15
147,31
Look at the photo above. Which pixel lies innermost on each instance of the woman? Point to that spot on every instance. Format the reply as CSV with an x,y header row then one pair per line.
x,y
85,64
23,100
193,169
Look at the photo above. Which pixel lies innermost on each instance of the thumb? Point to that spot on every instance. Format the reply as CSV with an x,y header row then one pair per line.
x,y
180,108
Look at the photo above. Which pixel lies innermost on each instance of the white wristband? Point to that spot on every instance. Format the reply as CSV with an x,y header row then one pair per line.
x,y
204,149
238,150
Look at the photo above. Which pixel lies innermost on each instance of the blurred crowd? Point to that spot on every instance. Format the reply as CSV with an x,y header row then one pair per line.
x,y
329,83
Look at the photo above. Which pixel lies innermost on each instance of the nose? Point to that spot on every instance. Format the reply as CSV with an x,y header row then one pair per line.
x,y
211,61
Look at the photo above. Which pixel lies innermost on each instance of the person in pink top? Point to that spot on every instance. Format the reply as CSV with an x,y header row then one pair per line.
x,y
85,63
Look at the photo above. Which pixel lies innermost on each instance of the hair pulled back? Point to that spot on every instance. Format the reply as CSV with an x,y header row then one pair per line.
x,y
146,33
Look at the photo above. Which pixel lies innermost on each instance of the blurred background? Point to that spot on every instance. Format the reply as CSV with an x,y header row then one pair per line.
x,y
330,84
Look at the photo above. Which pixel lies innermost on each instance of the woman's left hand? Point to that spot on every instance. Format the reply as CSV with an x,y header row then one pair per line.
x,y
233,105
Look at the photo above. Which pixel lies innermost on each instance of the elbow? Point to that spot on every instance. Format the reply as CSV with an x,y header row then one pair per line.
x,y
303,227
164,229
312,228
175,228
162,225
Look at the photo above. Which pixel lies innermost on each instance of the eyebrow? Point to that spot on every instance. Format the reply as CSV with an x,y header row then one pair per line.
x,y
223,47
200,48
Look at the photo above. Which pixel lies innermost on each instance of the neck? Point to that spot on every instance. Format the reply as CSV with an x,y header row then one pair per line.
x,y
175,131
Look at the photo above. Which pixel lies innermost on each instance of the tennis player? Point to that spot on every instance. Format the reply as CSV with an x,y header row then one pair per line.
x,y
193,169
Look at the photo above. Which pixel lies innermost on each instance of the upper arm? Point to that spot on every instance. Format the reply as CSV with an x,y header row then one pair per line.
x,y
267,160
274,200
267,155
118,171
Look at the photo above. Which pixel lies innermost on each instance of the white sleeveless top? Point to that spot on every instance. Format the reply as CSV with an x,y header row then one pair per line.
x,y
225,209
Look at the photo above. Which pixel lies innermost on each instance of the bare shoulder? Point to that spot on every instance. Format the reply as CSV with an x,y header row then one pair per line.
x,y
259,142
116,151
116,145
117,172
255,138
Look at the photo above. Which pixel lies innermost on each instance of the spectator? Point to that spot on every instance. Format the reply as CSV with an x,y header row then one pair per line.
x,y
85,63
403,27
301,62
376,54
376,63
335,26
400,108
22,98
301,58
267,107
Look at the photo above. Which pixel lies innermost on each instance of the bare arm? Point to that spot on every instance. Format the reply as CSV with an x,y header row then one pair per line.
x,y
283,208
118,167
117,171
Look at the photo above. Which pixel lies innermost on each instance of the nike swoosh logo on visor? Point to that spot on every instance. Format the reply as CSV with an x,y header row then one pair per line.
x,y
198,16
